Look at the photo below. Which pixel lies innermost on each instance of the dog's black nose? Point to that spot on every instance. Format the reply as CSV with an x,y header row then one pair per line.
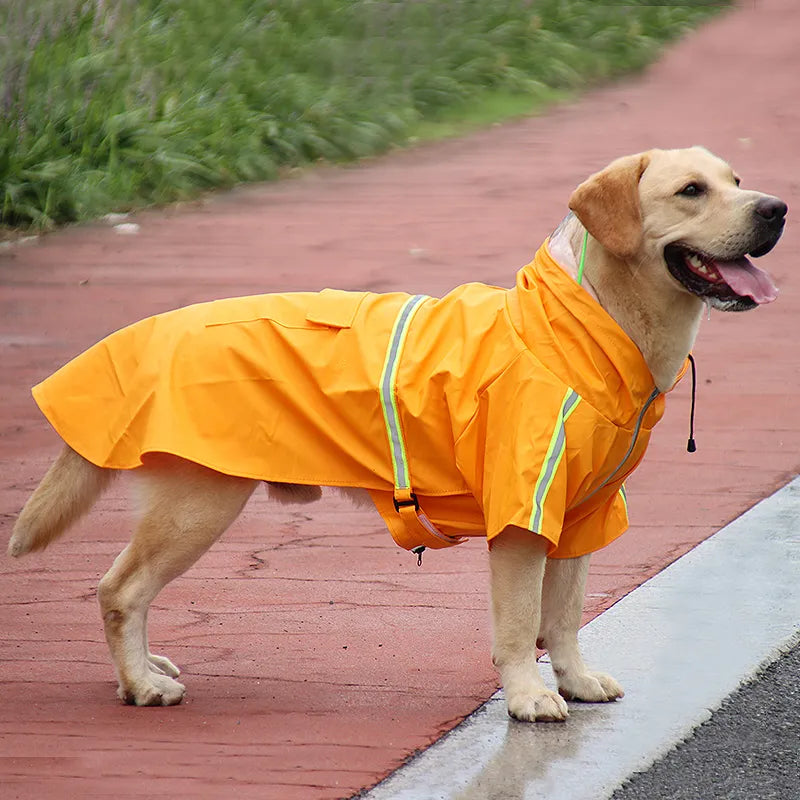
x,y
771,209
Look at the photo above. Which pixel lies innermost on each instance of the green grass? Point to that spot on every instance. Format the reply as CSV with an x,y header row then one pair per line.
x,y
483,109
113,105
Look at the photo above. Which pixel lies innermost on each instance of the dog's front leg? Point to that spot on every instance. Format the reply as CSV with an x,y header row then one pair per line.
x,y
563,590
517,565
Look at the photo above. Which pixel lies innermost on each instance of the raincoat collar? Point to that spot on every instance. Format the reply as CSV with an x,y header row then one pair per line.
x,y
577,340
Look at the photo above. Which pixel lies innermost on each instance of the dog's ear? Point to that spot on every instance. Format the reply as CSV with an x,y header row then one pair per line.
x,y
607,204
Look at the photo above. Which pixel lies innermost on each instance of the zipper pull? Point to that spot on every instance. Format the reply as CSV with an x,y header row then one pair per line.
x,y
418,551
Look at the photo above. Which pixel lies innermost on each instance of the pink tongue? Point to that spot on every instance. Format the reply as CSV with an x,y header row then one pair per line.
x,y
747,280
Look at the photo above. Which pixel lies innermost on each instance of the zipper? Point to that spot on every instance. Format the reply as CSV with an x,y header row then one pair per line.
x,y
637,429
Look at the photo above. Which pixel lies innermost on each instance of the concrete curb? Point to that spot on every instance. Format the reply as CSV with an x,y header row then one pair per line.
x,y
679,644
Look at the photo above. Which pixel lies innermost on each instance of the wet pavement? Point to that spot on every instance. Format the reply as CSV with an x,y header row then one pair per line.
x,y
679,644
748,750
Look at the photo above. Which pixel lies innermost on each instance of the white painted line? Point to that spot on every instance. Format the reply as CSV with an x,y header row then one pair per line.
x,y
679,644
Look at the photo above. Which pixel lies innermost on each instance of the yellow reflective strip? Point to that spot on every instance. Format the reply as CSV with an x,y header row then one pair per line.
x,y
624,495
391,414
555,452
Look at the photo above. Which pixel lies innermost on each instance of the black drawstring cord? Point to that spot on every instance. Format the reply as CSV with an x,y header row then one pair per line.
x,y
690,445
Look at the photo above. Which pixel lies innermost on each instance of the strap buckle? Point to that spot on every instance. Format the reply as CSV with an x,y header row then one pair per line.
x,y
412,501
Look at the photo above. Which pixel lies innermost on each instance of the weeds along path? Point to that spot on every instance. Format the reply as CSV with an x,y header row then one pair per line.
x,y
132,104
317,655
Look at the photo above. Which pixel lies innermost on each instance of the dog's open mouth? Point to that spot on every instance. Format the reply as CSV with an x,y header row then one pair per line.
x,y
736,284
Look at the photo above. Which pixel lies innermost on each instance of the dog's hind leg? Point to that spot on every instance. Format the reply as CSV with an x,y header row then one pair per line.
x,y
186,509
563,591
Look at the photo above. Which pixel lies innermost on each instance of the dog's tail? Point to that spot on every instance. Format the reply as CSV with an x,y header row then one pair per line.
x,y
67,492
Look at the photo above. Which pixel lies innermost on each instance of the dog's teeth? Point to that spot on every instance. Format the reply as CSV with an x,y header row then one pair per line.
x,y
696,261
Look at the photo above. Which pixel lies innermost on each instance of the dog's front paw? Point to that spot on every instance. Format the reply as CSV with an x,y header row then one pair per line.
x,y
155,690
590,687
537,706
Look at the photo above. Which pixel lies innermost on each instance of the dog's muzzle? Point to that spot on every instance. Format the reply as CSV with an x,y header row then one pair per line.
x,y
732,283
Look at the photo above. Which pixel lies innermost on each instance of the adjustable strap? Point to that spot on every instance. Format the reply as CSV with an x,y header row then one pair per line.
x,y
405,501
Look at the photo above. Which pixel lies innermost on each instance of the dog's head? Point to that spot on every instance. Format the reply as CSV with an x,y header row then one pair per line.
x,y
683,215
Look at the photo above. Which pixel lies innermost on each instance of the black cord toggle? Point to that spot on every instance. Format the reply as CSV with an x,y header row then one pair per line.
x,y
691,447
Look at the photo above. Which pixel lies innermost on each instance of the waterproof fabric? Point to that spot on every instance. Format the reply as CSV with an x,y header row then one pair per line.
x,y
518,406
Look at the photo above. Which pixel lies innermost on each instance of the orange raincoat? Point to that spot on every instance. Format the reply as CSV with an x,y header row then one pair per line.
x,y
525,407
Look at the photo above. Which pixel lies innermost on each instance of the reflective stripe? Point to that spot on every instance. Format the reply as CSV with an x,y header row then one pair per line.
x,y
405,500
624,495
555,452
391,415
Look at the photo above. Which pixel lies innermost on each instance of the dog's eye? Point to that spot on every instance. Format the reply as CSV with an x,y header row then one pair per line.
x,y
692,190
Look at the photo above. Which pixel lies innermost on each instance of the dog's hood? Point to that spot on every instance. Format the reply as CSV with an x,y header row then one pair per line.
x,y
577,339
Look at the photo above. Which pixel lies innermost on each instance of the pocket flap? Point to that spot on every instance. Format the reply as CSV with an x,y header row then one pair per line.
x,y
335,308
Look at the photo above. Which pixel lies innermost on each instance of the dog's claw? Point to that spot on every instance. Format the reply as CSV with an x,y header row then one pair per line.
x,y
162,666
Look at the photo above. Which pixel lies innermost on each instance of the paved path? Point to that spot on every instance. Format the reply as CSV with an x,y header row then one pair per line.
x,y
678,654
748,749
317,656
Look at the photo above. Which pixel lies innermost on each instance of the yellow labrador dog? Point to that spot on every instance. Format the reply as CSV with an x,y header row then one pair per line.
x,y
472,414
